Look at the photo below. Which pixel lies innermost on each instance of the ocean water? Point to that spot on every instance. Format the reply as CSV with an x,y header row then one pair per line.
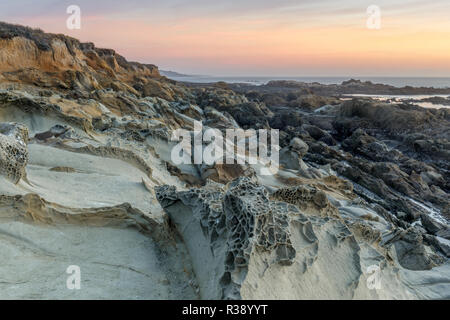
x,y
393,81
407,98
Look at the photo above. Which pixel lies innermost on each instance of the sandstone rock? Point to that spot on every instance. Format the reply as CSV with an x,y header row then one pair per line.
x,y
433,226
233,225
411,252
299,146
13,151
308,199
291,156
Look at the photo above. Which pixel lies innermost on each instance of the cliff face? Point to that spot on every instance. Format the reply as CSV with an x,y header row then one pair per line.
x,y
53,60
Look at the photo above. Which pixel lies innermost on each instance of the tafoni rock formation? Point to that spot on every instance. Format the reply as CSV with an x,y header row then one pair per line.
x,y
359,208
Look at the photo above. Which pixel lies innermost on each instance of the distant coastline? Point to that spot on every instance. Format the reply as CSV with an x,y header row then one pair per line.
x,y
170,74
435,82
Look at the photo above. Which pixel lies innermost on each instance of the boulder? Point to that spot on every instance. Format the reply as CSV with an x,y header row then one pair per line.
x,y
291,156
433,226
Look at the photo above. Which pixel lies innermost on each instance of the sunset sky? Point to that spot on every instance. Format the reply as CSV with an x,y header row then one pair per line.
x,y
258,37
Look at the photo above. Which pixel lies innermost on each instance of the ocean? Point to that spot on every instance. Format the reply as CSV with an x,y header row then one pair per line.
x,y
416,99
393,81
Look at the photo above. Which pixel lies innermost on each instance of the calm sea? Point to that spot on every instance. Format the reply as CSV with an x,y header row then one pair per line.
x,y
393,81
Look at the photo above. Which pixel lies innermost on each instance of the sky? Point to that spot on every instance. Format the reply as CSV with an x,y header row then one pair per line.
x,y
258,37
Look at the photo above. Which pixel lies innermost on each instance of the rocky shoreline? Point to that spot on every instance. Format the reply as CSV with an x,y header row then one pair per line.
x,y
352,86
359,208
